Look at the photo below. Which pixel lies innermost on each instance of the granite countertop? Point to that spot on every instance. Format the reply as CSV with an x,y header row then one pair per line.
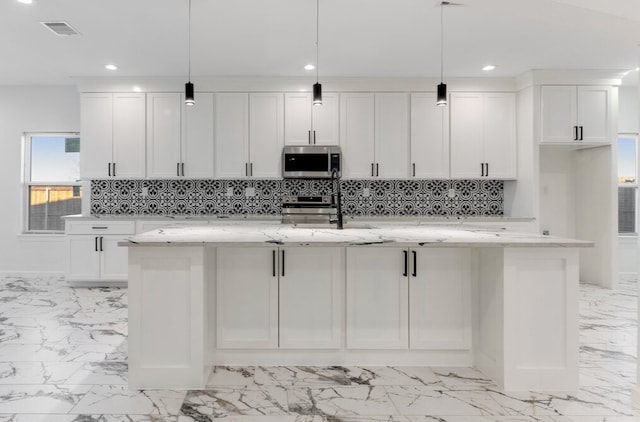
x,y
239,233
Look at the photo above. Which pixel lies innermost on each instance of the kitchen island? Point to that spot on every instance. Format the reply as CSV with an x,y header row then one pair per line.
x,y
259,293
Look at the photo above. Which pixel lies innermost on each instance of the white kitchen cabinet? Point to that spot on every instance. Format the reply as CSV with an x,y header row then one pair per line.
x,y
377,298
483,135
375,134
576,113
287,297
93,255
249,134
306,124
311,297
429,137
113,130
247,297
440,299
179,137
408,298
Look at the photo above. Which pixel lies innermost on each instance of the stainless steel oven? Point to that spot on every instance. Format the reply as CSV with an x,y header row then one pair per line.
x,y
311,161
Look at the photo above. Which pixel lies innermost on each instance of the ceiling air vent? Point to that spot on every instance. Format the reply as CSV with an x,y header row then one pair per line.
x,y
60,28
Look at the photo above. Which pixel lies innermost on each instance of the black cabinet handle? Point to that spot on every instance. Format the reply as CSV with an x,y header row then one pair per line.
x,y
415,263
406,263
309,137
182,167
95,243
582,133
101,248
283,262
314,137
114,169
371,169
246,169
273,263
377,172
109,166
250,169
486,173
481,169
414,169
575,133
177,169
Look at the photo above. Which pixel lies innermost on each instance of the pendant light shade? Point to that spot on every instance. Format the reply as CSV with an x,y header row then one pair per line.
x,y
317,94
317,87
189,98
441,98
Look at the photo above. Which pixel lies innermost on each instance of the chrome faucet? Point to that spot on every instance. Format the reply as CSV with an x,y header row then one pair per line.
x,y
337,197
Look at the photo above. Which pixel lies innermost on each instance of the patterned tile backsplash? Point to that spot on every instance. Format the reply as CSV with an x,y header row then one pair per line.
x,y
226,197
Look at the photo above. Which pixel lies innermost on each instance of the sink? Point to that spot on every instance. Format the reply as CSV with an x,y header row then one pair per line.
x,y
325,226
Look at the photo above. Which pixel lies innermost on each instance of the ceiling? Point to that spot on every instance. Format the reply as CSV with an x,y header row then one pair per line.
x,y
378,38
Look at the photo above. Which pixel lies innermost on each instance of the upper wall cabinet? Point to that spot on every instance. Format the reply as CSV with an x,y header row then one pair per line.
x,y
429,137
249,134
113,135
179,137
483,135
576,113
306,124
375,134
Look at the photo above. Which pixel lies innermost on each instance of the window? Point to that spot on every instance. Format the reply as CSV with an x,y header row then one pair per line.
x,y
627,183
52,186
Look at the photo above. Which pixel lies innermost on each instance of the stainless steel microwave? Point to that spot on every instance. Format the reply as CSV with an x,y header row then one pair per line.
x,y
311,161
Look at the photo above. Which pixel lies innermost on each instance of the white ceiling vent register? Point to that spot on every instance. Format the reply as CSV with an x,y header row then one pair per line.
x,y
60,28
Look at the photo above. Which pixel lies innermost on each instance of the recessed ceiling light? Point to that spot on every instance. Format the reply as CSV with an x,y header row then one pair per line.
x,y
489,67
309,67
111,67
25,1
137,89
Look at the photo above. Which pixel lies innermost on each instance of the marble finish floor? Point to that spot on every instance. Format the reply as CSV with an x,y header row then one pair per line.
x,y
63,358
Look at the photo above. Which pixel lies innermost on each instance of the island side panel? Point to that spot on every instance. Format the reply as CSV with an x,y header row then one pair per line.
x,y
167,332
541,319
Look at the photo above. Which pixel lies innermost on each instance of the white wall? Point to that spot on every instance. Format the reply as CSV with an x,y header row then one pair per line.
x,y
29,109
628,109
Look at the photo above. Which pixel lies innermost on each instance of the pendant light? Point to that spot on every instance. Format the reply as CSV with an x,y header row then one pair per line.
x,y
189,98
441,97
317,88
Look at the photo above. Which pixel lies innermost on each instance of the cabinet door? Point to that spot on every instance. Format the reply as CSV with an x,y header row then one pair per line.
x,y
266,134
83,259
232,135
311,292
440,299
113,259
499,135
357,134
297,118
247,298
594,113
129,135
197,138
392,134
429,138
377,299
466,135
97,135
164,133
326,120
559,113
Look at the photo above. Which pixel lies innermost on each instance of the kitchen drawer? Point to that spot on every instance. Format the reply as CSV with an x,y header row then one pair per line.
x,y
99,227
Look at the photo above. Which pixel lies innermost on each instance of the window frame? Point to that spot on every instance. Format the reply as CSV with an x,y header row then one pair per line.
x,y
631,185
27,183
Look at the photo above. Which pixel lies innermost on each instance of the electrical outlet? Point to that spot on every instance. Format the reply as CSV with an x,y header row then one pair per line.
x,y
250,192
545,232
452,193
229,191
365,192
144,192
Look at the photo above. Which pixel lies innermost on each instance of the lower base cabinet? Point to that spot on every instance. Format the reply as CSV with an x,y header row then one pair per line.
x,y
279,297
408,298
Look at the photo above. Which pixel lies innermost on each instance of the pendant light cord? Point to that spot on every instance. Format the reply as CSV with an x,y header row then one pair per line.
x,y
317,36
189,47
442,4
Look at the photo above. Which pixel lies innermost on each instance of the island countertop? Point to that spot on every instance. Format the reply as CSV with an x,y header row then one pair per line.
x,y
409,234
